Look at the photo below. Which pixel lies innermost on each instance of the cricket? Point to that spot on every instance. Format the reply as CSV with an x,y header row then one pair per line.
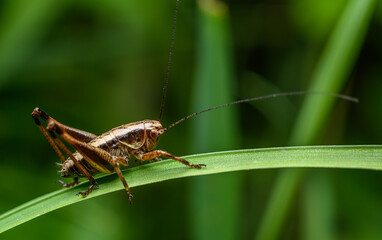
x,y
106,153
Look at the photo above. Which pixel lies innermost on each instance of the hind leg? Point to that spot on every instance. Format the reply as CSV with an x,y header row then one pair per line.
x,y
68,185
54,126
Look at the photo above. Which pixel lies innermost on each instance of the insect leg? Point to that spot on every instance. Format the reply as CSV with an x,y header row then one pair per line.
x,y
55,142
46,135
68,185
122,178
53,125
157,153
98,155
93,183
76,133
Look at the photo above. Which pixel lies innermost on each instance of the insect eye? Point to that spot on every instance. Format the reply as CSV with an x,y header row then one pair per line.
x,y
154,133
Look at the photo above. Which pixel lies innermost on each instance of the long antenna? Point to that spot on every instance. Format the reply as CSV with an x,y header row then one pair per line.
x,y
168,63
345,97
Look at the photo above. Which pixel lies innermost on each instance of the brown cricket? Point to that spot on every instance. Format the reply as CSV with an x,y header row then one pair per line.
x,y
104,153
107,152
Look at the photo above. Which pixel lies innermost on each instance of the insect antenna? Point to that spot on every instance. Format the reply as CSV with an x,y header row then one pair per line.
x,y
168,63
345,97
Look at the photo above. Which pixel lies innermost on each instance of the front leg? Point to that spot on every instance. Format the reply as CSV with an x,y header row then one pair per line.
x,y
157,153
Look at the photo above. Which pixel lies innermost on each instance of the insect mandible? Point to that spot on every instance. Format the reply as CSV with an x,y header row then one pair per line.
x,y
115,148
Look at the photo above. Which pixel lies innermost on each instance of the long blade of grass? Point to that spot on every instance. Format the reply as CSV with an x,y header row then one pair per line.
x,y
217,130
330,76
318,207
360,157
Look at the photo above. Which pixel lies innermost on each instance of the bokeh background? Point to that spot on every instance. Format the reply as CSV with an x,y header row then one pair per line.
x,y
98,64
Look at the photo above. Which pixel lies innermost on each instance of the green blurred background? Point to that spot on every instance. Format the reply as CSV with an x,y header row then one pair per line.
x,y
94,65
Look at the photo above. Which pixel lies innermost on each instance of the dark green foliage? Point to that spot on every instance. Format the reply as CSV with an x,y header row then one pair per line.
x,y
98,64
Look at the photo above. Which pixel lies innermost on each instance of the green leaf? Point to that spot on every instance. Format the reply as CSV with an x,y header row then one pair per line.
x,y
330,75
213,85
361,157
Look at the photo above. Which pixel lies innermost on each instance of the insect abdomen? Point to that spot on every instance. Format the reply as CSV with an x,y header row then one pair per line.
x,y
112,146
69,169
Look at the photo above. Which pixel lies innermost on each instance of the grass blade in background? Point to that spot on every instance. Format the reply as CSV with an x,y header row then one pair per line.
x,y
330,76
318,208
215,201
360,157
333,69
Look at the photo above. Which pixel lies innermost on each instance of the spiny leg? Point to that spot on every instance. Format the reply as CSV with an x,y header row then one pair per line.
x,y
86,150
92,181
68,185
80,135
55,142
53,125
79,140
157,153
122,178
46,135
